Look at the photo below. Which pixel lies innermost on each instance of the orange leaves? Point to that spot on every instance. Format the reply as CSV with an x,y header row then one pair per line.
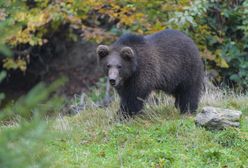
x,y
97,34
34,20
46,16
132,19
201,34
158,26
127,15
38,20
216,57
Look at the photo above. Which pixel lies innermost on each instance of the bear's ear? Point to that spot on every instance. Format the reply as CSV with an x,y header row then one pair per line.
x,y
127,53
102,51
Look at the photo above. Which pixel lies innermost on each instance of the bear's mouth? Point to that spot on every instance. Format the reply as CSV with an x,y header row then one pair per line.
x,y
112,82
115,82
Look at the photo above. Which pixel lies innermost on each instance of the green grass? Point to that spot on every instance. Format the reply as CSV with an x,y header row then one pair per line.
x,y
160,137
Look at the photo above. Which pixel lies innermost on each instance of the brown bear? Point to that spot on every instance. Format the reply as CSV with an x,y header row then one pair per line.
x,y
167,60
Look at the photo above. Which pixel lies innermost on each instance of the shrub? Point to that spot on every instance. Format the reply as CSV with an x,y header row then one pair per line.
x,y
220,28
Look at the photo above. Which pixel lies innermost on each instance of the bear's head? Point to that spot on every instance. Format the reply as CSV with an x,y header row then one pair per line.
x,y
119,63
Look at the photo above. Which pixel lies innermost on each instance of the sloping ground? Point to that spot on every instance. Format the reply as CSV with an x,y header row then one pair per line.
x,y
159,138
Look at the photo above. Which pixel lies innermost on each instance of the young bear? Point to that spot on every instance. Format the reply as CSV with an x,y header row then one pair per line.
x,y
167,61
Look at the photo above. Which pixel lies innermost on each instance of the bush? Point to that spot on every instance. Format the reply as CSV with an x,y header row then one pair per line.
x,y
220,28
23,129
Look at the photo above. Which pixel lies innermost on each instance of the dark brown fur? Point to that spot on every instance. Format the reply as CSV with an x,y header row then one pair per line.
x,y
167,61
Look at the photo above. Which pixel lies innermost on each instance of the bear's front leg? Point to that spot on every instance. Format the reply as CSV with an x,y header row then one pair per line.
x,y
131,106
132,102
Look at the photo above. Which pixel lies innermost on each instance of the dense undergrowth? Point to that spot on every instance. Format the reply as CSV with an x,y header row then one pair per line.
x,y
219,28
160,137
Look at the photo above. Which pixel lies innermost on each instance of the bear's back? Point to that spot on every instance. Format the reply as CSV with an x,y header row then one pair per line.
x,y
169,37
179,58
130,40
173,44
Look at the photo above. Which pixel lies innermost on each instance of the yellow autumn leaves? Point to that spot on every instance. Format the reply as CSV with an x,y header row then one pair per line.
x,y
143,17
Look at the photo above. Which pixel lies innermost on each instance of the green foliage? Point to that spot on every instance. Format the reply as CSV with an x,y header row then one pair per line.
x,y
2,76
36,102
220,28
23,128
22,145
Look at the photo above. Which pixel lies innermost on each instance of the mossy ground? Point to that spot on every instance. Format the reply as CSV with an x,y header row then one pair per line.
x,y
161,137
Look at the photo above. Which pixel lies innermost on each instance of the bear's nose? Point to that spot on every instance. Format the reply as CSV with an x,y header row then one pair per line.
x,y
112,82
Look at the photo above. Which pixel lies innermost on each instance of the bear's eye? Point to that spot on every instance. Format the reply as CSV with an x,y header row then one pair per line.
x,y
108,66
119,66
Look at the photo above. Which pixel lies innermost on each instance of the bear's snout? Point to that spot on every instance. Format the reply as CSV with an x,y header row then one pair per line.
x,y
113,76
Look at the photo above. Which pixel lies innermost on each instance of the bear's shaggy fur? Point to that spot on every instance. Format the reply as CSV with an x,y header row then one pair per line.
x,y
167,61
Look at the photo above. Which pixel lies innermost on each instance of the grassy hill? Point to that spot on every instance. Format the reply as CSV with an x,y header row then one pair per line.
x,y
160,137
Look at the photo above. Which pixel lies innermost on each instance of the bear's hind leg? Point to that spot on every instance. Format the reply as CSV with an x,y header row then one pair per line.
x,y
187,100
177,99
